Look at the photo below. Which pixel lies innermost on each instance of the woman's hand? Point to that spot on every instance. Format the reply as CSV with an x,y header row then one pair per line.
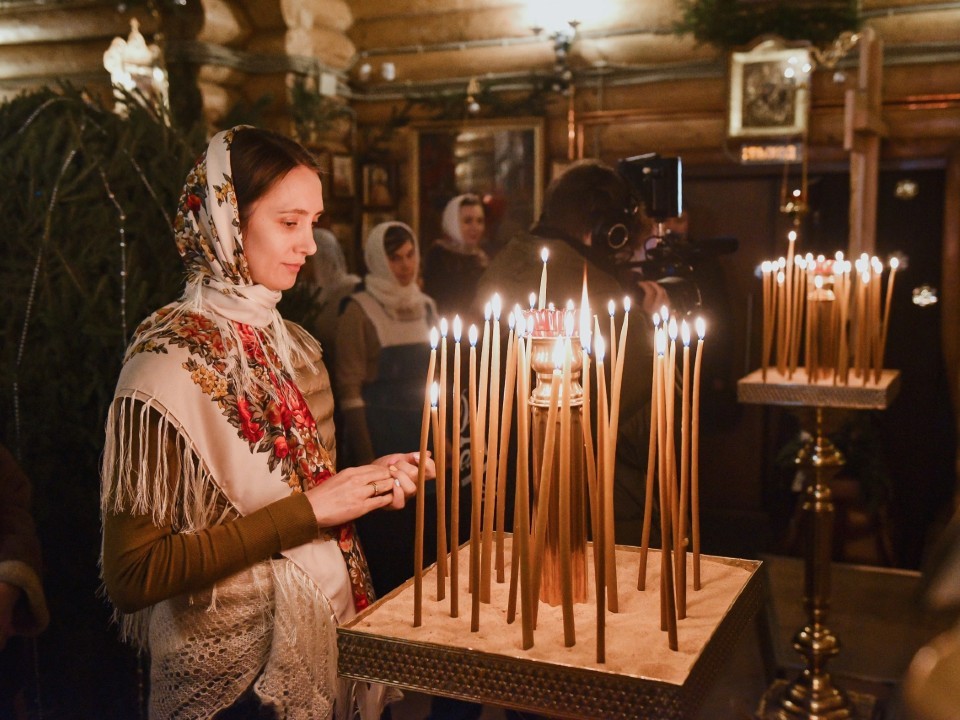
x,y
406,466
356,491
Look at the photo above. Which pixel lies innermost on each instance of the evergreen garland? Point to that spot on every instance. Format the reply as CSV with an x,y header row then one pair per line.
x,y
62,321
731,23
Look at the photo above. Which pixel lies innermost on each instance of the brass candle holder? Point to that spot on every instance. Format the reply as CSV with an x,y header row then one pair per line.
x,y
542,361
812,694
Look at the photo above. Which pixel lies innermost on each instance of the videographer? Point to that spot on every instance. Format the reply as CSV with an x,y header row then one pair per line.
x,y
589,215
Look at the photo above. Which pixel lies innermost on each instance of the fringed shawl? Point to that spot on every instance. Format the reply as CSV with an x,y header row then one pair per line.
x,y
216,367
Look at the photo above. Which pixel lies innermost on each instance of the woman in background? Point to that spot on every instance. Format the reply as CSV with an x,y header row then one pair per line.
x,y
327,273
382,355
229,549
456,261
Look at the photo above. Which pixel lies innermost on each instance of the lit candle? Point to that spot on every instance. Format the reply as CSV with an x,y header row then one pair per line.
x,y
455,475
603,418
544,254
670,398
477,474
894,264
521,534
585,338
421,473
440,456
506,418
684,471
437,450
652,454
766,270
563,505
781,319
476,458
701,327
490,485
612,310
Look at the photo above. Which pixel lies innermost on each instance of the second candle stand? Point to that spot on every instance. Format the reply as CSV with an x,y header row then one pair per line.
x,y
566,476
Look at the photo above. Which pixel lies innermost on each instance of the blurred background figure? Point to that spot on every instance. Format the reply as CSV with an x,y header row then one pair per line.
x,y
382,355
328,276
456,261
23,606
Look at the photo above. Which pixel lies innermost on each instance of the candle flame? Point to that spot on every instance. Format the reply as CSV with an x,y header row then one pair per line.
x,y
568,324
792,235
876,265
818,282
685,333
665,313
839,256
672,328
656,320
781,277
511,320
434,393
472,334
497,305
533,300
434,337
521,324
443,327
894,263
611,307
865,277
544,254
765,267
600,347
781,262
661,342
487,311
701,326
626,303
457,327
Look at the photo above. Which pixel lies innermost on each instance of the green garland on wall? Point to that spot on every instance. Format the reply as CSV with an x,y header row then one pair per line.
x,y
731,23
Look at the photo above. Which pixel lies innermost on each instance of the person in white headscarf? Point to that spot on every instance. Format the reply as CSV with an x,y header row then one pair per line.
x,y
456,261
229,550
383,350
327,273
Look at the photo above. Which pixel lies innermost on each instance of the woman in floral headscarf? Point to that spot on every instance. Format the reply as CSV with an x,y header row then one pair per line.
x,y
382,355
228,544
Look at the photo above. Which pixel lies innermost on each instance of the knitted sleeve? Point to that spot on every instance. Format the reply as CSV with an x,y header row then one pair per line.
x,y
145,562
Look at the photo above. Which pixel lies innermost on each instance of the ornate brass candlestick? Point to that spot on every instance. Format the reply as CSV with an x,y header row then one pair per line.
x,y
543,363
812,694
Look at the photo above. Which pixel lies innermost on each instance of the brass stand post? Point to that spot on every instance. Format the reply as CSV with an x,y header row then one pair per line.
x,y
812,694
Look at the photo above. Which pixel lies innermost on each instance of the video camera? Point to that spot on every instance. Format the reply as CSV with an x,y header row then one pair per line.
x,y
669,257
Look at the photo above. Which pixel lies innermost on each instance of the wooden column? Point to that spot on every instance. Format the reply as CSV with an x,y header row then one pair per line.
x,y
863,128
